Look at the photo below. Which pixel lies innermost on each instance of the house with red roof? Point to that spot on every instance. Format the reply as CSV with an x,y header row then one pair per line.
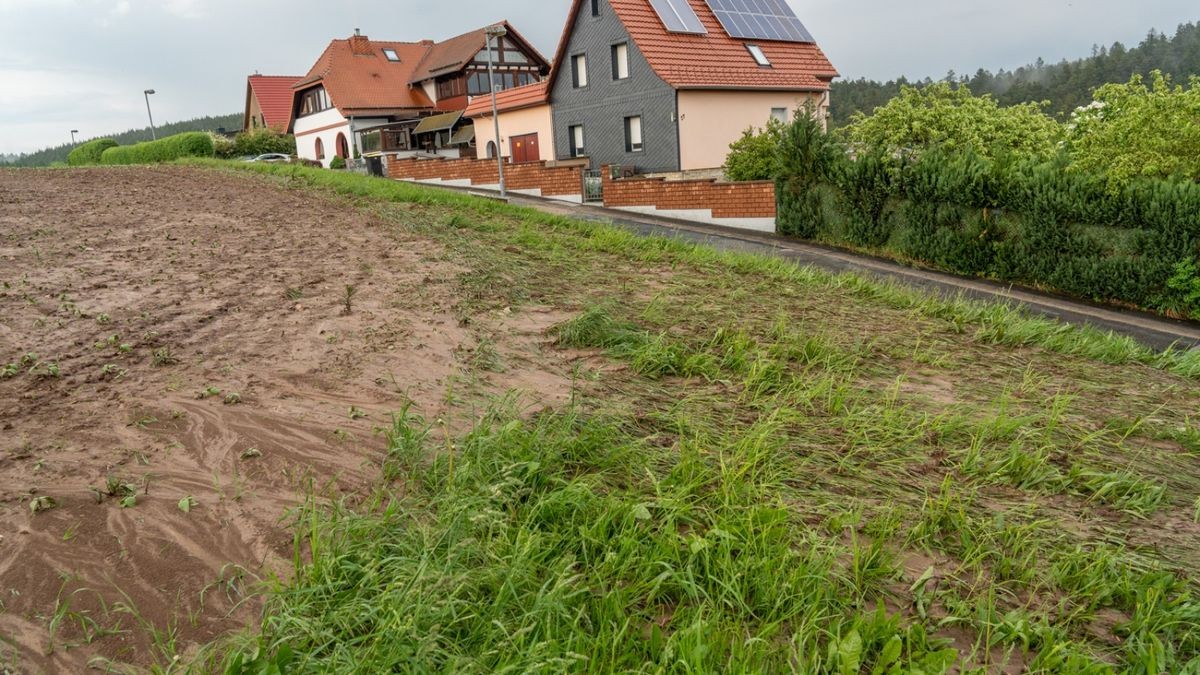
x,y
269,102
526,124
667,85
403,98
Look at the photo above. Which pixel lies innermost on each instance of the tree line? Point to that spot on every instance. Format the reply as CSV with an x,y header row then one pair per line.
x,y
1066,85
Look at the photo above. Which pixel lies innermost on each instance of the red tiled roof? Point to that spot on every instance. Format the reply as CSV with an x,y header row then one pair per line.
x,y
358,76
713,60
274,96
527,96
449,55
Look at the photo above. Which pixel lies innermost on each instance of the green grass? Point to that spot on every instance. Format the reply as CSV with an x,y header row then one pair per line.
x,y
997,323
792,472
568,543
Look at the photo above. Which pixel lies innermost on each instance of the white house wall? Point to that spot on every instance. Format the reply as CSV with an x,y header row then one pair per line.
x,y
430,87
325,125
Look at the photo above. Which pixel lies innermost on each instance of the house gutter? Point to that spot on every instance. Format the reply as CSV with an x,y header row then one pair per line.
x,y
809,90
678,135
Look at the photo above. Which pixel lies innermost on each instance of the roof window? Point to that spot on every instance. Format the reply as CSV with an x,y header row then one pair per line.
x,y
391,55
759,57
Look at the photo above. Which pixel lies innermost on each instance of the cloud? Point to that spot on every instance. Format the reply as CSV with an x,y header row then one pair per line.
x,y
42,105
186,9
17,5
93,78
121,9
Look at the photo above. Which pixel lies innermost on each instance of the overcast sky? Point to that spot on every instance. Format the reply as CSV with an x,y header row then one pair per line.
x,y
82,64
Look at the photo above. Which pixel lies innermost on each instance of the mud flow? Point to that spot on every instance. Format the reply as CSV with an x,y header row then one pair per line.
x,y
180,370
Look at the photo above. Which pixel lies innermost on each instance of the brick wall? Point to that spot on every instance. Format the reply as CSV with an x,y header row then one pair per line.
x,y
534,176
754,199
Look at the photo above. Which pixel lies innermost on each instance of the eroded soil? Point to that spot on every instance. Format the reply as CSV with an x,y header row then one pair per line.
x,y
176,333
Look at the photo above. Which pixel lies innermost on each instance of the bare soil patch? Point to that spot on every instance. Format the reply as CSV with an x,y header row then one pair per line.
x,y
184,333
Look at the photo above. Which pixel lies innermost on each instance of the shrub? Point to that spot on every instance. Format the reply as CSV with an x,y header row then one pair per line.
x,y
948,116
90,152
1137,130
190,144
808,157
337,163
866,186
755,156
1183,290
223,147
262,142
1006,217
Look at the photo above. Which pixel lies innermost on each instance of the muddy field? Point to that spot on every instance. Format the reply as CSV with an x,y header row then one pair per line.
x,y
185,361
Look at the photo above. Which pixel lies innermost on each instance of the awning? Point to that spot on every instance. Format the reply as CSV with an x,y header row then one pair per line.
x,y
438,122
464,135
386,126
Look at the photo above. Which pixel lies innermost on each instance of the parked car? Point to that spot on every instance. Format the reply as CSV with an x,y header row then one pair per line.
x,y
271,158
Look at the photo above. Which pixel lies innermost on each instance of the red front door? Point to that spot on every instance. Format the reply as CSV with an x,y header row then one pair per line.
x,y
525,149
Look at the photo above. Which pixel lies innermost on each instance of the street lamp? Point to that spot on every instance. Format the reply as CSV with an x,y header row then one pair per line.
x,y
498,31
153,133
73,132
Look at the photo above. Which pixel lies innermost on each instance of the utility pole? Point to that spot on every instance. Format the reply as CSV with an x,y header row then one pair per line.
x,y
153,132
498,31
73,132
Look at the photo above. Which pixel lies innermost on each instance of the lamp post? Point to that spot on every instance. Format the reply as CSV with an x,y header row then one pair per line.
x,y
153,132
496,32
73,132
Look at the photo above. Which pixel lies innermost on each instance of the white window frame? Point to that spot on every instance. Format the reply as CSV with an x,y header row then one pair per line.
x,y
634,141
577,140
780,114
759,56
579,71
620,55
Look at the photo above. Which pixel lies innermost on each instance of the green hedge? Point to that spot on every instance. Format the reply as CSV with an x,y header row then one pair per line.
x,y
90,152
190,144
254,143
1020,221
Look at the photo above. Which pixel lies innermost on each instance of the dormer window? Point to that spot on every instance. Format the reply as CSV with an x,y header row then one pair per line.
x,y
391,55
759,57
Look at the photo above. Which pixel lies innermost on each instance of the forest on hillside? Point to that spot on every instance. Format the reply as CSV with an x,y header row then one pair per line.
x,y
48,156
1066,85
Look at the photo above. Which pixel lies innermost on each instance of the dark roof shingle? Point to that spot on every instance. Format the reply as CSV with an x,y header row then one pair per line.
x,y
449,55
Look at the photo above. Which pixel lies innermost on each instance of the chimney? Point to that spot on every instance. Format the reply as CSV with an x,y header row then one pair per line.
x,y
360,45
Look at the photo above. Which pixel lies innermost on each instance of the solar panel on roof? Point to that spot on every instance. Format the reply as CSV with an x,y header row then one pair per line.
x,y
760,20
678,16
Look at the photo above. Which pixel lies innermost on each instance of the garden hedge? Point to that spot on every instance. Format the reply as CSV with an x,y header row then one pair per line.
x,y
190,144
1035,223
90,152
